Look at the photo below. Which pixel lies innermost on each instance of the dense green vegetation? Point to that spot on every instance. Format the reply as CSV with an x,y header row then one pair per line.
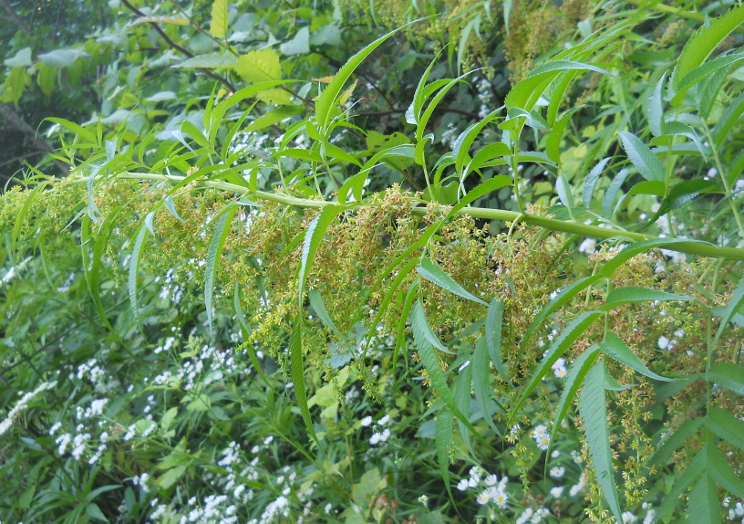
x,y
363,262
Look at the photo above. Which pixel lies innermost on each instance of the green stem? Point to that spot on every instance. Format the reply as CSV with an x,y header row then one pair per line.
x,y
692,248
724,179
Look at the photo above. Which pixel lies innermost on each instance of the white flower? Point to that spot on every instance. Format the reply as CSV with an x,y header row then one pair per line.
x,y
541,436
664,343
54,428
649,517
384,420
559,368
498,496
375,439
483,498
328,508
268,440
462,485
557,492
491,480
366,421
587,246
557,472
628,517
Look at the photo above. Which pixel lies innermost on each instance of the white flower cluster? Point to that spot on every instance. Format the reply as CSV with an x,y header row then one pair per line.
x,y
541,436
96,375
484,95
79,442
379,436
94,410
559,368
449,137
632,518
23,404
13,271
667,344
588,246
533,516
217,364
494,490
171,290
736,512
64,288
166,345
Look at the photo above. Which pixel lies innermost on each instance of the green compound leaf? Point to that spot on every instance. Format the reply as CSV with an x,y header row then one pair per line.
x,y
704,506
726,426
642,158
316,300
594,413
99,248
729,376
298,374
678,438
591,181
463,399
730,116
704,41
327,99
615,347
246,332
655,111
222,228
528,91
492,184
736,302
413,113
494,327
433,367
220,18
443,437
432,272
576,375
315,232
720,470
482,386
695,468
559,346
134,261
632,294
428,332
560,298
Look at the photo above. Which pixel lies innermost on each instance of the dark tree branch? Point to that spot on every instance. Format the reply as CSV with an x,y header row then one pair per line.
x,y
16,121
14,16
359,72
16,159
178,47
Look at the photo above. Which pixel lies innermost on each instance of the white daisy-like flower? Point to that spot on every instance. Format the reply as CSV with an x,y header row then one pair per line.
x,y
557,492
491,480
557,472
366,421
483,498
463,485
